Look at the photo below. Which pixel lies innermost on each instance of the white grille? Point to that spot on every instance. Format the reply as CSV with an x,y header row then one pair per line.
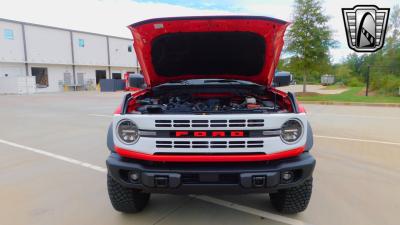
x,y
210,123
210,144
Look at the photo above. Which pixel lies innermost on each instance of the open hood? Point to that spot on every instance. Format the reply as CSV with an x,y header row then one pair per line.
x,y
224,47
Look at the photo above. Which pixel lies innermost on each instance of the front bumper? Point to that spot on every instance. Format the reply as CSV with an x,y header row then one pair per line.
x,y
192,178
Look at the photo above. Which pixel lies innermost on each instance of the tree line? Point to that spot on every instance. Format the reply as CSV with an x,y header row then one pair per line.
x,y
308,42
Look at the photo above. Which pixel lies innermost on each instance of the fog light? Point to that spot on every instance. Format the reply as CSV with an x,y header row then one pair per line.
x,y
134,175
287,176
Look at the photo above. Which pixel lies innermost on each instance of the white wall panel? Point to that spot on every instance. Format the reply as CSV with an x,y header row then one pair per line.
x,y
94,51
46,45
11,50
119,54
17,85
12,69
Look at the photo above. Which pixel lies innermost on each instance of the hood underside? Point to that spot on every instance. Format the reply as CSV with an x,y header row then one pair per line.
x,y
223,47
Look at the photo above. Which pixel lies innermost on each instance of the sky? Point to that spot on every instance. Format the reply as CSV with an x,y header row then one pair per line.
x,y
112,16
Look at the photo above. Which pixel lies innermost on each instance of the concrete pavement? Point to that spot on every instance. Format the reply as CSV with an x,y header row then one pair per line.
x,y
356,179
312,88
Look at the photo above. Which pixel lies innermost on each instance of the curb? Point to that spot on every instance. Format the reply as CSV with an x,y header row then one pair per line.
x,y
352,103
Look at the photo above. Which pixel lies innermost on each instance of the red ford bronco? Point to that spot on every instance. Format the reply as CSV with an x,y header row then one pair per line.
x,y
209,120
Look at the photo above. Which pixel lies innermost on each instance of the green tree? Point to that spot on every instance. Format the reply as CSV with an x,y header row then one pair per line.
x,y
394,28
354,62
309,38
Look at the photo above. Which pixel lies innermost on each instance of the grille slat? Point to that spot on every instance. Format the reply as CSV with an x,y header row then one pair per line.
x,y
255,121
218,125
163,125
182,142
200,146
199,142
181,146
236,142
255,146
237,121
164,146
255,125
199,125
255,142
218,121
181,121
236,146
181,125
218,142
199,121
218,146
163,121
237,125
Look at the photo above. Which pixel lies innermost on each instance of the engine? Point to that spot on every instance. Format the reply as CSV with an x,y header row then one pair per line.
x,y
195,104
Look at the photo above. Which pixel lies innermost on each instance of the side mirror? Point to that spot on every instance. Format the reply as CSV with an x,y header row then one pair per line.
x,y
136,80
282,79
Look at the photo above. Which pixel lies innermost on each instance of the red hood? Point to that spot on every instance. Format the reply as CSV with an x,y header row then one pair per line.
x,y
223,47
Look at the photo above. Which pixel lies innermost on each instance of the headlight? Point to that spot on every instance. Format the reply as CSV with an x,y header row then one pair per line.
x,y
291,131
127,132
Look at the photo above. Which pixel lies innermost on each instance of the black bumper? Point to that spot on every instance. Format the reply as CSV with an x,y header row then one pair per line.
x,y
188,178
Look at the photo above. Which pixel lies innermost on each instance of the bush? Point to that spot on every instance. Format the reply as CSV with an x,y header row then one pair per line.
x,y
353,82
386,84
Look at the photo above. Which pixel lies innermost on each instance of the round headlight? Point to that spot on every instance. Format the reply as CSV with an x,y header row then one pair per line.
x,y
291,131
128,132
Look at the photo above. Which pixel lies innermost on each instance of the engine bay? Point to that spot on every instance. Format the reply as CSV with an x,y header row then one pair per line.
x,y
191,101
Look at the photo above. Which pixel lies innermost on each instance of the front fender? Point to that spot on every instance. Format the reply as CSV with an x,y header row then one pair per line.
x,y
310,138
110,140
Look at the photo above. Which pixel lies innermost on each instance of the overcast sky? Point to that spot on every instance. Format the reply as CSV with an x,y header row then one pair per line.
x,y
112,16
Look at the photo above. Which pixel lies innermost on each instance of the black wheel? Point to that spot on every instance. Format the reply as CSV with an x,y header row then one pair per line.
x,y
126,200
292,200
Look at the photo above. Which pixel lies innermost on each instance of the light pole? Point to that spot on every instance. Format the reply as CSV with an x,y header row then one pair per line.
x,y
367,81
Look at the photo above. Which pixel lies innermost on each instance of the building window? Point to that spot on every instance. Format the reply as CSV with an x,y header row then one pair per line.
x,y
116,76
42,78
130,48
81,43
8,34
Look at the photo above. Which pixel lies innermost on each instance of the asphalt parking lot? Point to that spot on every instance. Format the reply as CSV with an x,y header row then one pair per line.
x,y
52,168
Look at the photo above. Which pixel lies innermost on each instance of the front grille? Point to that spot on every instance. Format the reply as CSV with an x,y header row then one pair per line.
x,y
210,144
210,123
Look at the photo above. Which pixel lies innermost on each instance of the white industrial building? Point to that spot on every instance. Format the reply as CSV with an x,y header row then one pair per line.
x,y
37,58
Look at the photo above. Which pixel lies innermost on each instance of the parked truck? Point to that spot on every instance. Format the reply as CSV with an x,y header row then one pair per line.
x,y
209,120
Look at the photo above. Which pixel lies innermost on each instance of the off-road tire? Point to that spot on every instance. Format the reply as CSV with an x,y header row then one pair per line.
x,y
126,200
292,200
